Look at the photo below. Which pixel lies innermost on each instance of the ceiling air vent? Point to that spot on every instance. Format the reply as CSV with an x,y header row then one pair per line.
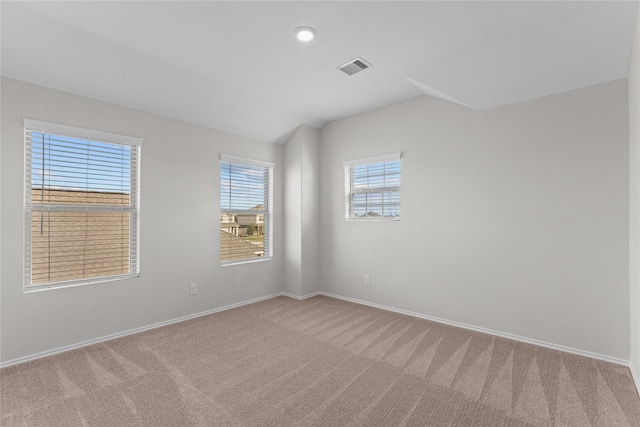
x,y
354,66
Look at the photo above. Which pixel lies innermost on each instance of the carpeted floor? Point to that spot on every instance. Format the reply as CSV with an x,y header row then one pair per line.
x,y
321,361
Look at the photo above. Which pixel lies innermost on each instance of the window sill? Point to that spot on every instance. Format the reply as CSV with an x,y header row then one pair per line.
x,y
244,261
72,284
373,219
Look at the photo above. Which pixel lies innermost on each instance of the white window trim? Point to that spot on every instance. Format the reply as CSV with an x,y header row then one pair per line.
x,y
82,133
374,159
246,161
38,126
348,164
268,212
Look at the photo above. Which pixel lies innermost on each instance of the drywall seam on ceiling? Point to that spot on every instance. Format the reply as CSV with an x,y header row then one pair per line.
x,y
432,92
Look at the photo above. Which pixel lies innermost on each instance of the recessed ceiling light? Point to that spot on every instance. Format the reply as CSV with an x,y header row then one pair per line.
x,y
305,34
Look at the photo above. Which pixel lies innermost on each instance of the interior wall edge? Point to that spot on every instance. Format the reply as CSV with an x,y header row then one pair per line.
x,y
634,201
300,297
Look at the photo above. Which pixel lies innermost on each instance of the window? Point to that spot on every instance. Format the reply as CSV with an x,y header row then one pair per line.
x,y
246,200
372,188
81,206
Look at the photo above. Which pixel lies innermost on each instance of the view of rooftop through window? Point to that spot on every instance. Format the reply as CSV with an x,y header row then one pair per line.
x,y
245,191
82,209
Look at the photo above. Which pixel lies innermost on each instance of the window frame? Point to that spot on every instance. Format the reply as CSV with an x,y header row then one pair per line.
x,y
350,192
30,206
267,211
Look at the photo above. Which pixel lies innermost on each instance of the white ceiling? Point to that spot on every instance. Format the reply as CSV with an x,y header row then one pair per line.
x,y
237,66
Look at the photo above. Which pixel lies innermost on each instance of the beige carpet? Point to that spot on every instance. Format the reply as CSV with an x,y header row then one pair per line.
x,y
321,362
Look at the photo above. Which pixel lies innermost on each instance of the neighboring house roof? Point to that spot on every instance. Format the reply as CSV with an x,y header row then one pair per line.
x,y
228,224
234,247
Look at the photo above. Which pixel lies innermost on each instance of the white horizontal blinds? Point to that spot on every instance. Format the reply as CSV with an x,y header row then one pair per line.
x,y
246,193
372,188
82,209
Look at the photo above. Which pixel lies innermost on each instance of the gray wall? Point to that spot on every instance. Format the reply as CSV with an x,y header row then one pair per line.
x,y
310,197
179,227
292,269
634,197
302,211
514,219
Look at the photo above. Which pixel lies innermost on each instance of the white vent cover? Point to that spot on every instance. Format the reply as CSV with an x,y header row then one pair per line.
x,y
354,66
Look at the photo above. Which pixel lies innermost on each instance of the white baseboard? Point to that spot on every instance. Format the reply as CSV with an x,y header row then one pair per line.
x,y
491,332
609,359
137,330
636,379
299,297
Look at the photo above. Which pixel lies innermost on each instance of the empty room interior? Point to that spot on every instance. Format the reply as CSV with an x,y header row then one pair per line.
x,y
308,213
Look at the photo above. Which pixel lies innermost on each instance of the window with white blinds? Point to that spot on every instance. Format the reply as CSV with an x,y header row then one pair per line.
x,y
372,188
82,211
246,210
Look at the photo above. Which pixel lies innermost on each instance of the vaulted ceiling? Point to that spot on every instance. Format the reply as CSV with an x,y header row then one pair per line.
x,y
237,66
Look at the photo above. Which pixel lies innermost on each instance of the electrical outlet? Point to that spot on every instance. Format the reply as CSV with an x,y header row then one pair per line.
x,y
367,280
193,289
